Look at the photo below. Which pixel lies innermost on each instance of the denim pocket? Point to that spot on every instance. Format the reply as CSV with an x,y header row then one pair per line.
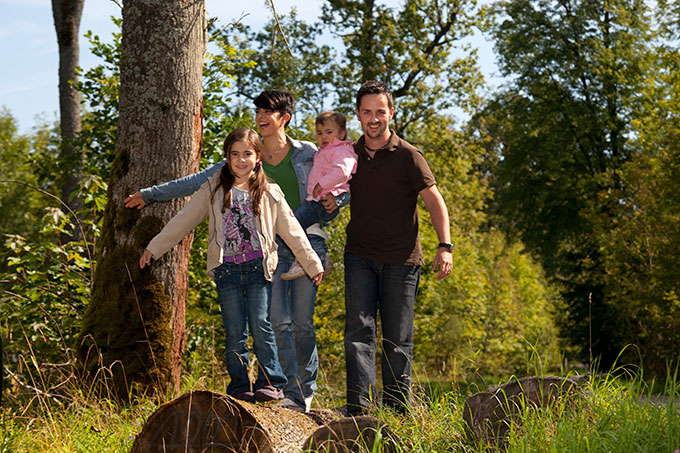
x,y
221,272
256,265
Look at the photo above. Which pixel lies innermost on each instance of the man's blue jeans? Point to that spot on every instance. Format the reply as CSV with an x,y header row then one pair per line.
x,y
244,295
373,288
292,316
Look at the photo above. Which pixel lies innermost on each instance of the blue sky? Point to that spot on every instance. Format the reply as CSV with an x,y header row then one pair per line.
x,y
29,53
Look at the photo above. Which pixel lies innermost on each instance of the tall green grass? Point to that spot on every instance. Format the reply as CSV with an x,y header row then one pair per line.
x,y
620,412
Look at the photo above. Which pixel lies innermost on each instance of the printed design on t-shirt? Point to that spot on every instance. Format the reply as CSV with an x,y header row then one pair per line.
x,y
239,226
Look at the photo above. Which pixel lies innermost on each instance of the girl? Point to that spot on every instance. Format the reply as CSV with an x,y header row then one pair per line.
x,y
245,212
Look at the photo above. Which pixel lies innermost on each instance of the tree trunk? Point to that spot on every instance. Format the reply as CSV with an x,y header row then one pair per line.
x,y
67,14
135,324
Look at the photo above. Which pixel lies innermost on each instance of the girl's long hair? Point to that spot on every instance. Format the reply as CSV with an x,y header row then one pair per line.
x,y
258,180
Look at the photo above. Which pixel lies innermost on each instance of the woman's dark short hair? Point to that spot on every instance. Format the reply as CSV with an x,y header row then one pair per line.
x,y
374,87
276,100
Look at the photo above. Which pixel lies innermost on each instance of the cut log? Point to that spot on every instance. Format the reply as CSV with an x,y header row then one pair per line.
x,y
204,421
352,434
488,414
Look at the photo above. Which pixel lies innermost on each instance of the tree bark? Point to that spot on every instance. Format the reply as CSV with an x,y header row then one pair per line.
x,y
135,324
67,14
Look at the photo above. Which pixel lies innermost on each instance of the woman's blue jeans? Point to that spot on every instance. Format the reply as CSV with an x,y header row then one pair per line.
x,y
244,295
292,315
373,288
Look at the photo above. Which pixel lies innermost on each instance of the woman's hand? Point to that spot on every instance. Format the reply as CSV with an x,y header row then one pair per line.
x,y
135,201
317,278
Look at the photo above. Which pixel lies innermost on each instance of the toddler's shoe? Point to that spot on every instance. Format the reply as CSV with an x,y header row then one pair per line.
x,y
268,393
295,271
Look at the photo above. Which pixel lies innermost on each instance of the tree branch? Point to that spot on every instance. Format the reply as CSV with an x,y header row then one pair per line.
x,y
437,41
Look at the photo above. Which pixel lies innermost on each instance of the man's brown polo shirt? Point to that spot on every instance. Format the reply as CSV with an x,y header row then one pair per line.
x,y
383,226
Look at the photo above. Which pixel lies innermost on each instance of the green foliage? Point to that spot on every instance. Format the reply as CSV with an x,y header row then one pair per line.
x,y
45,288
82,425
222,63
329,312
45,284
20,205
99,88
583,161
642,245
416,49
561,131
668,15
288,57
496,309
100,85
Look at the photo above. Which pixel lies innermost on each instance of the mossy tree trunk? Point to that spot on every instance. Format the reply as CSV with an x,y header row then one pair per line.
x,y
134,327
67,14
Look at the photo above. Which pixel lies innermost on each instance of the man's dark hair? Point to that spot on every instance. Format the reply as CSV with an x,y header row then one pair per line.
x,y
374,87
276,100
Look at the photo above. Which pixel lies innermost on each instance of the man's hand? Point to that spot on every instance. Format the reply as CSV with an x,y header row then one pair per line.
x,y
317,278
135,201
444,260
328,202
317,190
145,260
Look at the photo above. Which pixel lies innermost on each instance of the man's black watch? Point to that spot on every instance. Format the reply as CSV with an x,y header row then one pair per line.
x,y
446,246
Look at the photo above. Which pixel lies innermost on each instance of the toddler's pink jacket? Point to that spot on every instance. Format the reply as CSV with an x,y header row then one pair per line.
x,y
333,167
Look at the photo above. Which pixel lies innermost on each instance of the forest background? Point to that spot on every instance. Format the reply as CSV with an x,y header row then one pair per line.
x,y
562,183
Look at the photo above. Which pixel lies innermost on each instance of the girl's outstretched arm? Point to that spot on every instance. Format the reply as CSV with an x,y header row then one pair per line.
x,y
145,260
318,278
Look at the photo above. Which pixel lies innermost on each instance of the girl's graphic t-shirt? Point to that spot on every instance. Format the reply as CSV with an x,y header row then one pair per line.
x,y
240,232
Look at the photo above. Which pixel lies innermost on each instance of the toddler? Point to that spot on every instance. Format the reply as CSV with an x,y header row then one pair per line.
x,y
334,164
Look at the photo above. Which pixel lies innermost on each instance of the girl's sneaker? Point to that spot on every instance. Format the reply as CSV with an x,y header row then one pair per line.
x,y
245,395
295,271
268,393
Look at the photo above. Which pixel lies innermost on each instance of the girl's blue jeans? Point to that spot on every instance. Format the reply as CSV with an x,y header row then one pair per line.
x,y
244,296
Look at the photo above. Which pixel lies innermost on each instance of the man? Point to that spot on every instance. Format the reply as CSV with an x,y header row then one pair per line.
x,y
383,254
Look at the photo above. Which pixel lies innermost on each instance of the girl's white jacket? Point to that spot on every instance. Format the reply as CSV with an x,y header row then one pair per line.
x,y
275,217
